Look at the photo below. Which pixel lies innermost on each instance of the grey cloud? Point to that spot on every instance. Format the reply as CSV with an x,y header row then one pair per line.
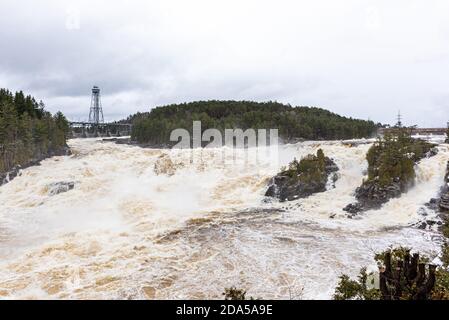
x,y
359,59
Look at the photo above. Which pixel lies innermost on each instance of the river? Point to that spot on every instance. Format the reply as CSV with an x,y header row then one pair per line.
x,y
148,223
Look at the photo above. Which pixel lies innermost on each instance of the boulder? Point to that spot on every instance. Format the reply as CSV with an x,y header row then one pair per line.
x,y
353,208
59,187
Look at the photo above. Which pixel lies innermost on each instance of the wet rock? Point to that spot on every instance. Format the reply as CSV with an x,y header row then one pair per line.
x,y
372,196
433,204
432,152
8,176
271,192
428,224
444,198
60,187
352,215
354,208
286,187
422,225
440,205
431,222
331,166
444,202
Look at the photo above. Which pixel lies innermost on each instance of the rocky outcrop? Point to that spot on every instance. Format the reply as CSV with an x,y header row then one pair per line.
x,y
11,174
432,152
444,199
60,187
439,205
444,202
287,189
294,184
372,196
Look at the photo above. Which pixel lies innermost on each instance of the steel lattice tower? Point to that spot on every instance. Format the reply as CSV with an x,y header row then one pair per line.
x,y
96,111
399,123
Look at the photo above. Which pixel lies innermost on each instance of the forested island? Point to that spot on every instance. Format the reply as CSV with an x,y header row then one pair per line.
x,y
391,169
303,178
294,123
28,133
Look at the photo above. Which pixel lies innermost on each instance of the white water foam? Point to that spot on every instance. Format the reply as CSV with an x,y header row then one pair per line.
x,y
188,230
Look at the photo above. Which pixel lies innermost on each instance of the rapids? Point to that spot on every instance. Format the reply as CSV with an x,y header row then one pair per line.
x,y
149,223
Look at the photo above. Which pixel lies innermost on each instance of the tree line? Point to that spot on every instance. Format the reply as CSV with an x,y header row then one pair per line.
x,y
309,123
28,132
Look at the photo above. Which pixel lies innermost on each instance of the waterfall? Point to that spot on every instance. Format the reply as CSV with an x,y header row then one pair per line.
x,y
151,223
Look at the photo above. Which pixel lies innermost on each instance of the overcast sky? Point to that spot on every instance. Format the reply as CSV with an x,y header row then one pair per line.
x,y
365,59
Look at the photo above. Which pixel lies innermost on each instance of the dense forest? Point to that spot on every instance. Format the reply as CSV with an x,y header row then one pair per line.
x,y
28,133
293,122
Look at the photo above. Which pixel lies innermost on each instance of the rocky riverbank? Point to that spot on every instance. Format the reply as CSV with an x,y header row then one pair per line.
x,y
444,199
441,206
303,178
6,177
443,203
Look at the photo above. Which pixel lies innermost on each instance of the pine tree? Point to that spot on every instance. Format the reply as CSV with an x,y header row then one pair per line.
x,y
19,102
27,131
321,159
62,124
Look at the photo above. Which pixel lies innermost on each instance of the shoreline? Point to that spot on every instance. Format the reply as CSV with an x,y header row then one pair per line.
x,y
11,174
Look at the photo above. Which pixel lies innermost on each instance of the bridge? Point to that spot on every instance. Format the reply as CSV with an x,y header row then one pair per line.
x,y
417,131
96,127
90,130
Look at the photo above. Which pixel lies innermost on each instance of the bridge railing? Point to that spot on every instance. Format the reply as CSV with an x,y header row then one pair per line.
x,y
88,129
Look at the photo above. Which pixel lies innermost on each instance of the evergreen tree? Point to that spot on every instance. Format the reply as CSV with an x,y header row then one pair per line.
x,y
27,131
321,159
62,124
